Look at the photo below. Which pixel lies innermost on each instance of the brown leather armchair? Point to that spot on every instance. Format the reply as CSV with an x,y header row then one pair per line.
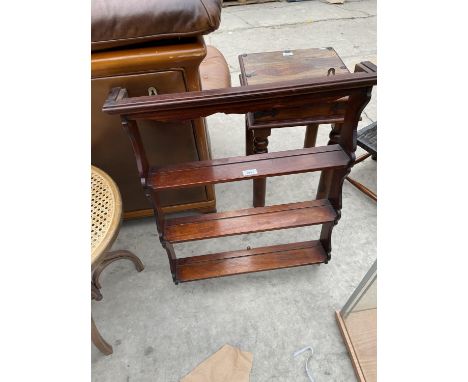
x,y
153,46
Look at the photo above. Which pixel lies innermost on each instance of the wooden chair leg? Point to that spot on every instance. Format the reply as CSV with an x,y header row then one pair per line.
x,y
249,140
311,135
326,175
110,257
260,146
362,188
259,192
95,292
98,341
361,158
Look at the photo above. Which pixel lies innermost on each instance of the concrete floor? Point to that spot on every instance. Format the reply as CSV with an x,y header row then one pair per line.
x,y
161,331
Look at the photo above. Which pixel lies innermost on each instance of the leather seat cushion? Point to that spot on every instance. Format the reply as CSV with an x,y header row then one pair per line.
x,y
122,22
214,70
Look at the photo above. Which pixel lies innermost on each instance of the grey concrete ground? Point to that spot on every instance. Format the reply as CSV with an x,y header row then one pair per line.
x,y
161,331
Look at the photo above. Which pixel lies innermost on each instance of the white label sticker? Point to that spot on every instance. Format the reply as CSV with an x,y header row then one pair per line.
x,y
252,171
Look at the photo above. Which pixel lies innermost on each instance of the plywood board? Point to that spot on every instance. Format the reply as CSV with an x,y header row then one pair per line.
x,y
359,332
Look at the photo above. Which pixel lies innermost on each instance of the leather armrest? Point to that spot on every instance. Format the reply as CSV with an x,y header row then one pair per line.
x,y
214,70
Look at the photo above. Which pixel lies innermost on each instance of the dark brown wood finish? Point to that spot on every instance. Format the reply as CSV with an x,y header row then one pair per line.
x,y
132,130
329,112
240,100
250,220
311,135
240,168
260,146
250,260
331,181
299,64
336,160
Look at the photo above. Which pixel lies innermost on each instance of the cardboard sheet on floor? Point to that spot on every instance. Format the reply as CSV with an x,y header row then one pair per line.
x,y
228,364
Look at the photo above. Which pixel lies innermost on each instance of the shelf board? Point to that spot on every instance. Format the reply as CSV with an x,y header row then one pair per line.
x,y
249,220
248,167
249,260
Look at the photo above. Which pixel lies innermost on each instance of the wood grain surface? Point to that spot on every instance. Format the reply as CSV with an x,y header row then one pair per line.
x,y
268,99
249,220
250,260
241,168
238,100
362,330
298,64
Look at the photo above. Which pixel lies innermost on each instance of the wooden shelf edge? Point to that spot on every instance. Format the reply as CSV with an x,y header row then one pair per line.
x,y
234,169
249,261
251,220
202,207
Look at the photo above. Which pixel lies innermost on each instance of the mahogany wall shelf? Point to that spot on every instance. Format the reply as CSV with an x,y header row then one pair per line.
x,y
334,161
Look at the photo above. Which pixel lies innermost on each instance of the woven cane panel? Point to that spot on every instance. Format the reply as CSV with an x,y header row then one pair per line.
x,y
105,211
